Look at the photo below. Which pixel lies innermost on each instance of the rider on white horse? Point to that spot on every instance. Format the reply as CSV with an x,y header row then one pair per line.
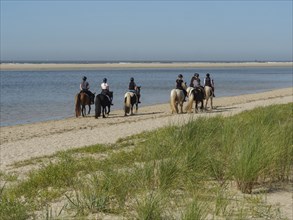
x,y
208,81
105,90
179,85
133,88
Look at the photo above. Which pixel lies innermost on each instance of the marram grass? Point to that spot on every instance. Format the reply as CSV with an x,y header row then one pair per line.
x,y
177,172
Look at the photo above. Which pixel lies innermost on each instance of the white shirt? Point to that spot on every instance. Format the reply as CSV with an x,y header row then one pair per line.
x,y
105,86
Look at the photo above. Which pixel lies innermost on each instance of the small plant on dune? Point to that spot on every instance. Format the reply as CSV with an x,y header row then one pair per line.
x,y
195,210
150,207
11,208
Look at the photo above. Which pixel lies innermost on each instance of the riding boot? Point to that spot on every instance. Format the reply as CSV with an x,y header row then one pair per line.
x,y
111,103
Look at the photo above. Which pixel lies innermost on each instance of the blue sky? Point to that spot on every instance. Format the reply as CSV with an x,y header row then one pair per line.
x,y
146,30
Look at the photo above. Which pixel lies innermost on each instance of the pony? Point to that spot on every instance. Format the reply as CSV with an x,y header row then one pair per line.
x,y
131,99
101,103
209,96
81,100
194,95
177,98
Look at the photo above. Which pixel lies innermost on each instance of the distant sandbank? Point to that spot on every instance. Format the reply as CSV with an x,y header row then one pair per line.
x,y
93,66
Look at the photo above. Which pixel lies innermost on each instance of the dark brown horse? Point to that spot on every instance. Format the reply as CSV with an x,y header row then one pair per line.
x,y
101,103
81,100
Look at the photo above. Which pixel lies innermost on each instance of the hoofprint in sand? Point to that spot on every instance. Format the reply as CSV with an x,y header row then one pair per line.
x,y
24,142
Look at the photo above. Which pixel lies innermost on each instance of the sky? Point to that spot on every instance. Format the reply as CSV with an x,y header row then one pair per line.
x,y
215,30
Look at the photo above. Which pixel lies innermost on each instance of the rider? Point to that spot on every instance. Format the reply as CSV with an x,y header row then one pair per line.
x,y
84,87
208,81
179,82
133,88
105,90
196,83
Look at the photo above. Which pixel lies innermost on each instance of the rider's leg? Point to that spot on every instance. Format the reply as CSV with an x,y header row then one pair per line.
x,y
185,94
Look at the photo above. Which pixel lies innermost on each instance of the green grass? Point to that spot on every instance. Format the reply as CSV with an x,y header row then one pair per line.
x,y
174,172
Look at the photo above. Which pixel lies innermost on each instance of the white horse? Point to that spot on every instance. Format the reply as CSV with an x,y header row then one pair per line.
x,y
209,96
194,96
177,98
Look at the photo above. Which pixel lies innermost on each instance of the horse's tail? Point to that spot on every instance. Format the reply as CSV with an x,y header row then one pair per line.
x,y
190,101
127,103
77,105
98,106
173,100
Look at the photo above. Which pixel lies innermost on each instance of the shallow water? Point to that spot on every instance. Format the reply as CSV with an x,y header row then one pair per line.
x,y
32,96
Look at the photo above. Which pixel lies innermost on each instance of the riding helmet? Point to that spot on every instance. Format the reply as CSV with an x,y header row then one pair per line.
x,y
180,76
84,78
131,79
208,75
196,75
105,80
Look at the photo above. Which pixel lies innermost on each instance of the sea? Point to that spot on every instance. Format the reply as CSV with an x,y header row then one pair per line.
x,y
35,96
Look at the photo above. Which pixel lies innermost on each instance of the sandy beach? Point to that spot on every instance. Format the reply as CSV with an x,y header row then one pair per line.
x,y
122,65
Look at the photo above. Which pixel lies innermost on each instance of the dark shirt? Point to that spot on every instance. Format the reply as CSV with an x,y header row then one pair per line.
x,y
208,82
179,84
132,85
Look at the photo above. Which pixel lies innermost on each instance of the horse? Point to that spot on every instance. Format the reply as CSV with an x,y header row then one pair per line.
x,y
194,95
131,99
81,100
209,96
177,98
101,103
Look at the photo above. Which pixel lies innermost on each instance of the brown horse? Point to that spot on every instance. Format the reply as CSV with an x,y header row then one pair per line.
x,y
81,100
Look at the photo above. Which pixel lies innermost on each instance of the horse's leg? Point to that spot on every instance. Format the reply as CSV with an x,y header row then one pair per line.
x,y
136,107
201,105
82,110
212,103
206,103
89,109
176,108
181,107
103,110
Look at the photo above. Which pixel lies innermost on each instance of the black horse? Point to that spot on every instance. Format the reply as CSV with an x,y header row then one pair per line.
x,y
101,103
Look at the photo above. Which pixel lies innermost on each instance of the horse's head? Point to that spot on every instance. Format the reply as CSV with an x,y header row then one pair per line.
x,y
184,86
189,90
138,89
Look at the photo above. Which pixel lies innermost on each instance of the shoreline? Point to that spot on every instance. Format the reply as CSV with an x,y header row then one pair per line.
x,y
122,65
22,142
